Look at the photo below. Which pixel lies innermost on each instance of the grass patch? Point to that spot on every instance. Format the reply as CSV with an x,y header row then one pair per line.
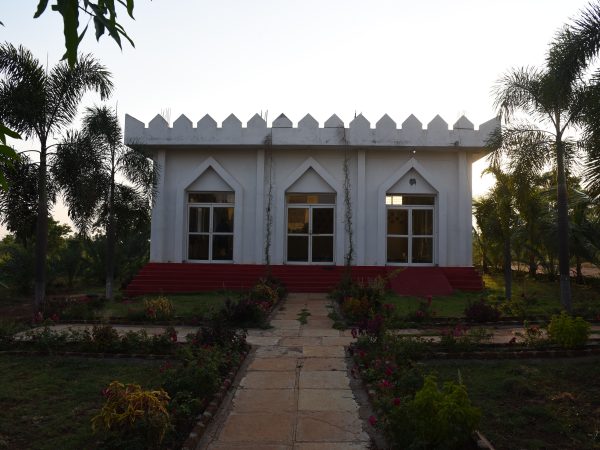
x,y
303,315
48,402
198,305
539,298
537,404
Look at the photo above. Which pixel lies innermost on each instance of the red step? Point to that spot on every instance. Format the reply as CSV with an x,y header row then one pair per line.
x,y
181,277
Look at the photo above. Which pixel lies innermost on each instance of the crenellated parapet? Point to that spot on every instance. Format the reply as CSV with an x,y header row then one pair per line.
x,y
333,133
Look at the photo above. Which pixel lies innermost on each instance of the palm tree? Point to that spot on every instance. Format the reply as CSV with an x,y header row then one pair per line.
x,y
38,104
539,94
86,166
572,53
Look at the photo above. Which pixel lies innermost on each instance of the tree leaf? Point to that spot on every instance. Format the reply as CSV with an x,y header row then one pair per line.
x,y
69,9
41,7
4,131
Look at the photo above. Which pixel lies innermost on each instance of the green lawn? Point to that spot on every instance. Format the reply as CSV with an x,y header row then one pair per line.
x,y
48,402
537,404
201,304
539,297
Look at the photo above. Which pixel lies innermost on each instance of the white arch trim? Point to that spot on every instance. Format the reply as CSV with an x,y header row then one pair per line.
x,y
181,213
440,211
280,233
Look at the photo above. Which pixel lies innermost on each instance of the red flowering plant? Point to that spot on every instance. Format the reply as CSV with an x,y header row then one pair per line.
x,y
424,311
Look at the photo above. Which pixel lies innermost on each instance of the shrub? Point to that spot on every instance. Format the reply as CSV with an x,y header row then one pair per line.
x,y
481,311
443,418
356,309
132,417
434,418
160,308
567,331
245,312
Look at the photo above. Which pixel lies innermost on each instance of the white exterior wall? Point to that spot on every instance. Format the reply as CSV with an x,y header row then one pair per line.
x,y
381,160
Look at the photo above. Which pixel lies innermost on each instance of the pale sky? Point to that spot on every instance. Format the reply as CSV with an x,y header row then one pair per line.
x,y
399,57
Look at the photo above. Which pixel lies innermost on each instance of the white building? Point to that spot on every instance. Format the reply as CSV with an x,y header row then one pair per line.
x,y
220,187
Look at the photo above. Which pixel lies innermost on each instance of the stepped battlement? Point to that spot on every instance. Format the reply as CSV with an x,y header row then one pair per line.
x,y
308,133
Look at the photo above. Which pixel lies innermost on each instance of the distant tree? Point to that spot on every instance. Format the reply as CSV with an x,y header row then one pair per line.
x,y
86,166
40,103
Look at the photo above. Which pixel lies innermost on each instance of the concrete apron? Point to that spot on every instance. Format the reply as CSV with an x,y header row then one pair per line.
x,y
295,391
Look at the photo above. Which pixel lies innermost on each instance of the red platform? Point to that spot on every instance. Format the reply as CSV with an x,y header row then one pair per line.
x,y
181,277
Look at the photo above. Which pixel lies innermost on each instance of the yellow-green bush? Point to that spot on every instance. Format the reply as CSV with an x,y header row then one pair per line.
x,y
568,331
132,416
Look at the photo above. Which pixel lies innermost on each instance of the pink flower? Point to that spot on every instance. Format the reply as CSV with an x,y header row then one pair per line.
x,y
54,317
373,420
361,354
388,307
39,317
389,371
354,333
420,313
385,384
397,401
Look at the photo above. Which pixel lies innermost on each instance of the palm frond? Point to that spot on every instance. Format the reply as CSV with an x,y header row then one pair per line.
x,y
66,87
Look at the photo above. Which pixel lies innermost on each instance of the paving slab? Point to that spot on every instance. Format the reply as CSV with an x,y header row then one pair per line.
x,y
326,400
256,428
278,352
286,324
323,364
271,364
247,446
265,379
324,322
322,332
264,400
329,426
331,446
263,340
300,341
323,379
336,341
323,352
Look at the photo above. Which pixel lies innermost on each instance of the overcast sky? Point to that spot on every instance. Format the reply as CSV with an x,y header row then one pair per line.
x,y
321,57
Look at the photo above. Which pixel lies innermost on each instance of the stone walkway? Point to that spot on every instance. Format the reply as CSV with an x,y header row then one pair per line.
x,y
296,391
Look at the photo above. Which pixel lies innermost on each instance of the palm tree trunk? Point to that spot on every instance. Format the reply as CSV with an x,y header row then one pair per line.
x,y
110,237
41,232
579,277
563,227
532,266
507,269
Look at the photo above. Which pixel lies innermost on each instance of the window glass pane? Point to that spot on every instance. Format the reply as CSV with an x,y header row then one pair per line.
x,y
311,198
199,220
322,220
222,247
397,221
397,250
418,200
223,220
298,248
297,220
322,249
422,222
211,197
198,246
422,250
